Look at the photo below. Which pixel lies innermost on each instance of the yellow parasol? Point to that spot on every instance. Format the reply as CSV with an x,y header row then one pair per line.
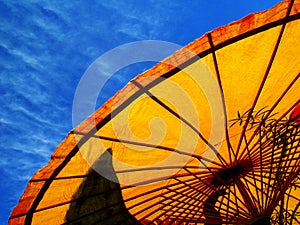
x,y
210,135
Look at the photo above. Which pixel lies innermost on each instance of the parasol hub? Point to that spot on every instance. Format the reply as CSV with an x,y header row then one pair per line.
x,y
228,174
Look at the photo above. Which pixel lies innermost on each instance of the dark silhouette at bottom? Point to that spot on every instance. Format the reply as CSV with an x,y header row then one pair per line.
x,y
212,216
261,221
99,200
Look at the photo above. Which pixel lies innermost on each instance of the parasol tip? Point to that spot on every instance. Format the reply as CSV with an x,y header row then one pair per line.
x,y
295,115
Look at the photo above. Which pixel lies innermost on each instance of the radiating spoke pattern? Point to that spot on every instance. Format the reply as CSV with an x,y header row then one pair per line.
x,y
208,136
251,188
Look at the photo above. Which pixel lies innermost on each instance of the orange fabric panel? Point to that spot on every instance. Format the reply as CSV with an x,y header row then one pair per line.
x,y
17,221
27,198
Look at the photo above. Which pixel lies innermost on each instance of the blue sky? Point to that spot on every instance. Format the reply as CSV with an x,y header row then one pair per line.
x,y
45,48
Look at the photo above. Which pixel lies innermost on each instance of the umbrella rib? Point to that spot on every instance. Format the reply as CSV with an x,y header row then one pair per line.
x,y
208,195
166,167
44,188
96,194
273,107
272,178
277,172
266,157
214,174
212,46
166,177
160,202
162,195
150,192
71,201
145,201
247,187
38,210
200,158
198,200
97,211
212,187
221,203
90,196
261,167
187,193
284,187
146,91
156,190
268,197
148,207
286,171
268,147
236,199
252,169
224,44
166,219
292,196
184,184
203,195
266,74
101,209
195,200
221,45
184,200
279,193
227,206
289,154
174,211
121,171
254,185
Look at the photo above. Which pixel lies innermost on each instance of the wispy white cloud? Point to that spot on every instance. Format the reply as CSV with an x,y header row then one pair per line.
x,y
25,57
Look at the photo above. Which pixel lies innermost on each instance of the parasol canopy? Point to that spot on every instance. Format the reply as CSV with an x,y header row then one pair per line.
x,y
210,135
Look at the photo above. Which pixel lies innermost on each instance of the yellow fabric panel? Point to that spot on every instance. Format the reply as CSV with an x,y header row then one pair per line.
x,y
51,216
146,122
118,99
241,74
148,199
188,97
200,85
60,191
242,70
77,166
283,71
124,158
